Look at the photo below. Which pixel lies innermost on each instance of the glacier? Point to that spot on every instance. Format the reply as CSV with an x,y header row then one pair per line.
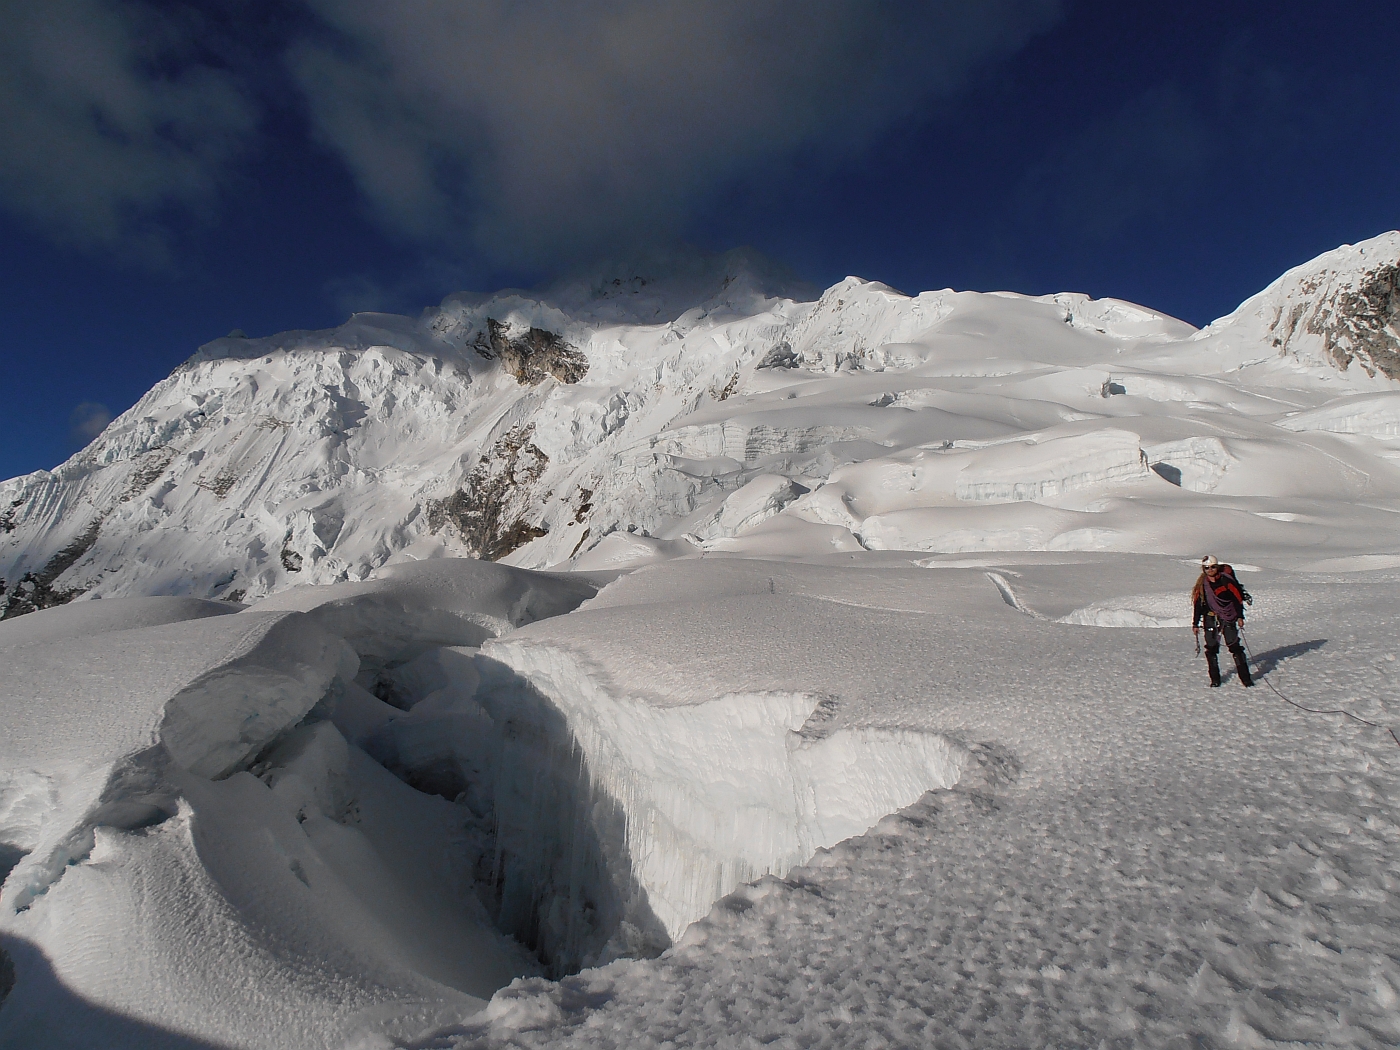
x,y
695,660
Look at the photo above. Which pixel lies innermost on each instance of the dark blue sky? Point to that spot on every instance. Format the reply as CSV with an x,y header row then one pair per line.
x,y
272,166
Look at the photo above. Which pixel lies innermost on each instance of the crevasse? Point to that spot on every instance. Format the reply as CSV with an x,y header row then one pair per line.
x,y
674,807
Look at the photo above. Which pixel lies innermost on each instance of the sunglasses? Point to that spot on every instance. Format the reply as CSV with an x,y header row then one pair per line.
x,y
1212,571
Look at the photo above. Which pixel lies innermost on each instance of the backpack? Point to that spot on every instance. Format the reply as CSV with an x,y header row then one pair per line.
x,y
1227,587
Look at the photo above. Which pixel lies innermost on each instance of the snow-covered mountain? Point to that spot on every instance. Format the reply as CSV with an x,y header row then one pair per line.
x,y
865,715
629,417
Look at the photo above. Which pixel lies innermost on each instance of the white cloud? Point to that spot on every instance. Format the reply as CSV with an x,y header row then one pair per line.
x,y
86,421
540,128
109,119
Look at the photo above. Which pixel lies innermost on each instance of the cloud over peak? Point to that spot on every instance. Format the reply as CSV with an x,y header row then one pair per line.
x,y
541,128
521,131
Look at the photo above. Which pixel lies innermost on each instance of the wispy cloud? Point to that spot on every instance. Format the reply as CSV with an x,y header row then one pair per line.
x,y
111,119
540,129
86,421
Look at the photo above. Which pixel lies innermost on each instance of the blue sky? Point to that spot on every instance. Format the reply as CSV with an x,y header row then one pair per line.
x,y
172,171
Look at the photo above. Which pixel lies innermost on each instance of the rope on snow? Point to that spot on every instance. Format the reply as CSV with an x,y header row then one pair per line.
x,y
1312,711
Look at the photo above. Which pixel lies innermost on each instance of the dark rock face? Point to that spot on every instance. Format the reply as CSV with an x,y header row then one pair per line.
x,y
1365,325
1360,324
532,356
35,590
487,510
149,470
781,356
7,519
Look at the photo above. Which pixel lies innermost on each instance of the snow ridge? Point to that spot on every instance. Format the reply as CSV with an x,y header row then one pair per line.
x,y
1340,309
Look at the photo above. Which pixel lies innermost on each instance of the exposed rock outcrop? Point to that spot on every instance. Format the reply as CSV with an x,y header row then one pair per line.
x,y
1340,309
532,355
35,590
488,510
1363,325
7,519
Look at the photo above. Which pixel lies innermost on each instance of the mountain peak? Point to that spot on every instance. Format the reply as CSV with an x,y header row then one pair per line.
x,y
660,286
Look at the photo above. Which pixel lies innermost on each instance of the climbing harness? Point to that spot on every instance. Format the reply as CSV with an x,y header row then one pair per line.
x,y
1312,711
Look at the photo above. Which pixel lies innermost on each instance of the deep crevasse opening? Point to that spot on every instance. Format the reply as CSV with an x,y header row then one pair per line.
x,y
620,822
586,825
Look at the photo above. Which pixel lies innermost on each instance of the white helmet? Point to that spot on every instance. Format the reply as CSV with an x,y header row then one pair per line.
x,y
1210,561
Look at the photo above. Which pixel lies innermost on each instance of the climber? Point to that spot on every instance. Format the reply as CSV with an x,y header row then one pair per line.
x,y
1218,603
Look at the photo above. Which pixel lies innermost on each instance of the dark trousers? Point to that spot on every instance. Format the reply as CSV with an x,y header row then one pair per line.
x,y
1215,627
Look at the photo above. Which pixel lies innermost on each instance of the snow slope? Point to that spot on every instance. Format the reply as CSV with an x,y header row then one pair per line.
x,y
1129,859
865,714
1121,856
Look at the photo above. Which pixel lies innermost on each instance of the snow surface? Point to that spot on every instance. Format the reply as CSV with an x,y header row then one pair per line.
x,y
866,716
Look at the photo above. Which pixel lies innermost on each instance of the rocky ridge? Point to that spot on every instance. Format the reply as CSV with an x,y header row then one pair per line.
x,y
1340,309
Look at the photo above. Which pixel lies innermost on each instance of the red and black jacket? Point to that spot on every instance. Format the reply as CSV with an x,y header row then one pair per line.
x,y
1228,591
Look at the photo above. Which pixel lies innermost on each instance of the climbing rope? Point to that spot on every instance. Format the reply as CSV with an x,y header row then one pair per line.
x,y
1310,710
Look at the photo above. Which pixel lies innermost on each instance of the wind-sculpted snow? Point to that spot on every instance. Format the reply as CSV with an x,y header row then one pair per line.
x,y
274,677
319,457
197,779
980,814
203,695
82,619
1008,472
415,606
1196,463
1374,414
234,770
1130,861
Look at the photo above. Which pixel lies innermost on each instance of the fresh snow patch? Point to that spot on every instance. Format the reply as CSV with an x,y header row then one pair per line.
x,y
1136,610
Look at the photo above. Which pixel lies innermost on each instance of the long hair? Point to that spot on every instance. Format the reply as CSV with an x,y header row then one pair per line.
x,y
1198,591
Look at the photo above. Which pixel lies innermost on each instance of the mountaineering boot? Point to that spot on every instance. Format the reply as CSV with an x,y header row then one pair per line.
x,y
1213,665
1242,666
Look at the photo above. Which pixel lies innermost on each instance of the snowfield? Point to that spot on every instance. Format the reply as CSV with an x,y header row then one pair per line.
x,y
823,679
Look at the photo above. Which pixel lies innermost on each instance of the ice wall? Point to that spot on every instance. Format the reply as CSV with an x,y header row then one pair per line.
x,y
1034,470
621,822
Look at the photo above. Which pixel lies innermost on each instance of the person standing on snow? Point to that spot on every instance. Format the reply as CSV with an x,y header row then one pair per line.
x,y
1218,601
